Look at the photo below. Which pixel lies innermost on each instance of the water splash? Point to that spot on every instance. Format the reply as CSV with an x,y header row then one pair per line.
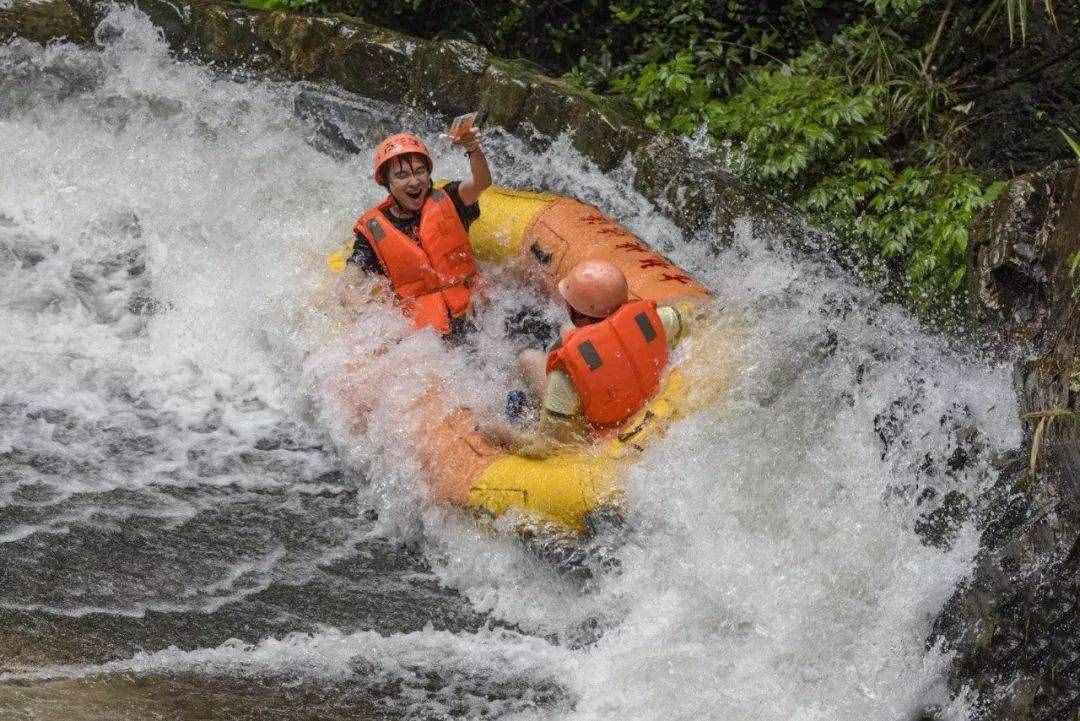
x,y
177,374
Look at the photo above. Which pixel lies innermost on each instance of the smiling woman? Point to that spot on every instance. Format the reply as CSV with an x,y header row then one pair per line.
x,y
408,178
418,236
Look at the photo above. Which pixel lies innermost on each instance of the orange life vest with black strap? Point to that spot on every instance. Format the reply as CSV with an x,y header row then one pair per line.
x,y
615,365
430,277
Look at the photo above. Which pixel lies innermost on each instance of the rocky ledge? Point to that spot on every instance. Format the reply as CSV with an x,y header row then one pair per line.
x,y
1015,623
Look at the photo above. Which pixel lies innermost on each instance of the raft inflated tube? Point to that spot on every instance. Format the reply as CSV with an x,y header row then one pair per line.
x,y
555,233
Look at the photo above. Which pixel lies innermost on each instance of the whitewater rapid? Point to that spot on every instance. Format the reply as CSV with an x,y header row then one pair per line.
x,y
178,429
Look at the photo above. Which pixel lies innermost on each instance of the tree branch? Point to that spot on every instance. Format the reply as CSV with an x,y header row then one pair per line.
x,y
932,46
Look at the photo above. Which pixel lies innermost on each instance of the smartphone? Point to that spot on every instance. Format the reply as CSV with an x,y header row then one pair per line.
x,y
462,124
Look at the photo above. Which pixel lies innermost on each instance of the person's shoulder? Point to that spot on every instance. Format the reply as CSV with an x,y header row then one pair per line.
x,y
674,324
467,213
453,189
668,314
560,396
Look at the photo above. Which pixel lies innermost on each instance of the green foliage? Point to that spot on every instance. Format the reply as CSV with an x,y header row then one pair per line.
x,y
865,133
794,123
290,5
819,141
901,8
1016,15
672,94
863,52
602,43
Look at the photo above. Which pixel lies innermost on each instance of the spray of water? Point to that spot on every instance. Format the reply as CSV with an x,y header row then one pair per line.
x,y
169,329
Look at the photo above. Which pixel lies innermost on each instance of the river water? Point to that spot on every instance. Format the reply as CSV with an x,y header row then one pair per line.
x,y
192,510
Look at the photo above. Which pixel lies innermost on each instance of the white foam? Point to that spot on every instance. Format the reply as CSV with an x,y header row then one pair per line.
x,y
772,570
478,673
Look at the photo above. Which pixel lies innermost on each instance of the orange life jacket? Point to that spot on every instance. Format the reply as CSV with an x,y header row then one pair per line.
x,y
430,277
615,365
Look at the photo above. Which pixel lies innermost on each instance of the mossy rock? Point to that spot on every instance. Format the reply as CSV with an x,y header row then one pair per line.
x,y
695,191
369,61
1022,285
1019,249
43,22
662,174
225,35
450,77
596,128
303,47
503,90
174,20
603,134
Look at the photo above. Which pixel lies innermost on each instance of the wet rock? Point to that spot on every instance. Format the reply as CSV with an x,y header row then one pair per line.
x,y
336,121
690,183
1020,248
115,288
1022,285
42,21
1015,623
597,128
503,91
142,304
358,57
35,493
187,698
172,18
450,76
228,35
26,251
29,252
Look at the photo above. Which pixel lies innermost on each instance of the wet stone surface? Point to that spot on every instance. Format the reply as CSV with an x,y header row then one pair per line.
x,y
370,586
1015,622
122,698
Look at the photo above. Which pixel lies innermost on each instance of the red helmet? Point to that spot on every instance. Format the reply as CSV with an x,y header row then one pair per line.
x,y
394,146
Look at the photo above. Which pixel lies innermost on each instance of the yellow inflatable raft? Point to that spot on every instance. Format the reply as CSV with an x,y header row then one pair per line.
x,y
555,233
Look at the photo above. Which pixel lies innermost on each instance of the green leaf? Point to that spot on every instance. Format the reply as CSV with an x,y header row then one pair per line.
x,y
1073,144
993,191
625,15
1074,264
